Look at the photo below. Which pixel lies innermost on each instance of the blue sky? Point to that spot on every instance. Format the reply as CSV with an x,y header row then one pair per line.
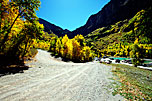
x,y
69,14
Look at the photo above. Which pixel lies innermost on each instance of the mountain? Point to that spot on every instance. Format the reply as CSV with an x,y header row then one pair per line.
x,y
48,27
114,11
126,32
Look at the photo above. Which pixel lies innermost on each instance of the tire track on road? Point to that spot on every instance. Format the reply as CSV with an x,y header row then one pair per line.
x,y
20,88
59,86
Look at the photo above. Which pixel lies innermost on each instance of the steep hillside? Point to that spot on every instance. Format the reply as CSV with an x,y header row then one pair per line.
x,y
140,26
114,11
48,27
124,33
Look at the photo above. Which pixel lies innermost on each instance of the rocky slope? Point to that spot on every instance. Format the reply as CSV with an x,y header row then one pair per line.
x,y
48,27
114,11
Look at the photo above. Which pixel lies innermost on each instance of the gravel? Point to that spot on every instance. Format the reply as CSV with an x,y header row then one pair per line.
x,y
49,79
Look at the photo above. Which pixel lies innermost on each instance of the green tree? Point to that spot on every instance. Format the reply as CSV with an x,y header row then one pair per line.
x,y
137,53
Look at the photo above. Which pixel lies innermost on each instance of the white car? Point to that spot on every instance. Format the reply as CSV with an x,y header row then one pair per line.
x,y
148,65
106,60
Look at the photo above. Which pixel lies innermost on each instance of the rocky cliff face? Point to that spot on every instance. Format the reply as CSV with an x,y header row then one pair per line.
x,y
48,27
114,11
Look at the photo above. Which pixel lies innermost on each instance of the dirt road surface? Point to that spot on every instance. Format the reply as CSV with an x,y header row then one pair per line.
x,y
54,80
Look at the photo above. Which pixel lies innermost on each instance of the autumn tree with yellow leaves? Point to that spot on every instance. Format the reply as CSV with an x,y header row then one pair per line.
x,y
19,27
73,49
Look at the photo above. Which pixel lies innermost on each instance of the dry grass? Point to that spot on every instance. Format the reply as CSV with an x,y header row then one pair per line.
x,y
136,84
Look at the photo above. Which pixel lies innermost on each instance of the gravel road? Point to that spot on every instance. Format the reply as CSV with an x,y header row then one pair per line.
x,y
54,80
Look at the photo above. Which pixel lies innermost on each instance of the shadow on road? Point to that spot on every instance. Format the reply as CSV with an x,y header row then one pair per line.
x,y
9,65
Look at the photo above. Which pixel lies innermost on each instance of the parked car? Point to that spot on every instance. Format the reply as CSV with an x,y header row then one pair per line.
x,y
105,60
111,58
108,61
123,61
129,61
147,65
117,61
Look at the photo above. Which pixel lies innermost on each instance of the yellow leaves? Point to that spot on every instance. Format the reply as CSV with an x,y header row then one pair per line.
x,y
79,38
69,48
41,26
9,36
72,49
76,49
140,13
86,53
16,30
65,39
136,41
58,46
5,2
41,45
75,43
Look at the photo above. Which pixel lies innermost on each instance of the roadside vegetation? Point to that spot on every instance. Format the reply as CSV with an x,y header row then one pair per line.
x,y
71,49
20,34
135,83
19,27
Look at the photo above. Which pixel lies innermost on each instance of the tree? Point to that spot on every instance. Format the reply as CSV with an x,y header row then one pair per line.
x,y
86,53
80,39
53,44
58,46
76,50
65,39
21,44
24,9
69,49
137,53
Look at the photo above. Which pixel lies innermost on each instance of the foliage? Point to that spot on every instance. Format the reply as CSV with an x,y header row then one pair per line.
x,y
19,27
44,41
72,49
140,27
136,54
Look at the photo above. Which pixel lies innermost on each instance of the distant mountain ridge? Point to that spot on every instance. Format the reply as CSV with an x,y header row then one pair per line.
x,y
114,11
49,27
